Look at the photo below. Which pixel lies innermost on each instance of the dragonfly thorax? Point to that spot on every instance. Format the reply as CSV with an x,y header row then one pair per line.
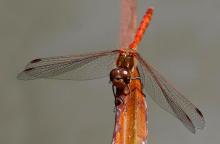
x,y
125,61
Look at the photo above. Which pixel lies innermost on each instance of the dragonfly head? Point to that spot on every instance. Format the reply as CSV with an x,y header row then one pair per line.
x,y
120,77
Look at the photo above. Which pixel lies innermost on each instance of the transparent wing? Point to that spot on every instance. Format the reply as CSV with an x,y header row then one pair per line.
x,y
168,98
75,67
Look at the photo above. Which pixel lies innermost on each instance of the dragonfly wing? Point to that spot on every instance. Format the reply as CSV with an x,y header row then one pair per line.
x,y
168,98
76,67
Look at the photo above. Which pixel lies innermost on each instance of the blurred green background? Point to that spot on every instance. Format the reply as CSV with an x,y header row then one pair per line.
x,y
182,42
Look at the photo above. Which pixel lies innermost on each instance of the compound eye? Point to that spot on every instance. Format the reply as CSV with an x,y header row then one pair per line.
x,y
125,72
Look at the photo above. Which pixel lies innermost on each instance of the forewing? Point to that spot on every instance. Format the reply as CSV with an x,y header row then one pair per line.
x,y
168,98
75,67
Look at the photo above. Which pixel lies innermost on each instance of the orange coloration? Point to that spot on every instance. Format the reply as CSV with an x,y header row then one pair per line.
x,y
131,116
131,120
141,29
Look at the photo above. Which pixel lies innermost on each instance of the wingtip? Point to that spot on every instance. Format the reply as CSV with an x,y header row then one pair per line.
x,y
23,76
19,76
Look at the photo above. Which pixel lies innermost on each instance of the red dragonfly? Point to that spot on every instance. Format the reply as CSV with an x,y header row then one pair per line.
x,y
120,63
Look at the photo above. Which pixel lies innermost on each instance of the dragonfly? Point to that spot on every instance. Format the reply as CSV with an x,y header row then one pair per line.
x,y
120,63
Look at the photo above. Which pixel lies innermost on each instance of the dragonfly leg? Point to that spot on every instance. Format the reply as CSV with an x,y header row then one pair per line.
x,y
119,101
113,89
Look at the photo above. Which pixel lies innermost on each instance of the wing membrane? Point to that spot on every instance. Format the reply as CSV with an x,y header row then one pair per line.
x,y
75,67
168,98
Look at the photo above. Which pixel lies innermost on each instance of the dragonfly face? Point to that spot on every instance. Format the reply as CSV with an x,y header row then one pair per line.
x,y
120,77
